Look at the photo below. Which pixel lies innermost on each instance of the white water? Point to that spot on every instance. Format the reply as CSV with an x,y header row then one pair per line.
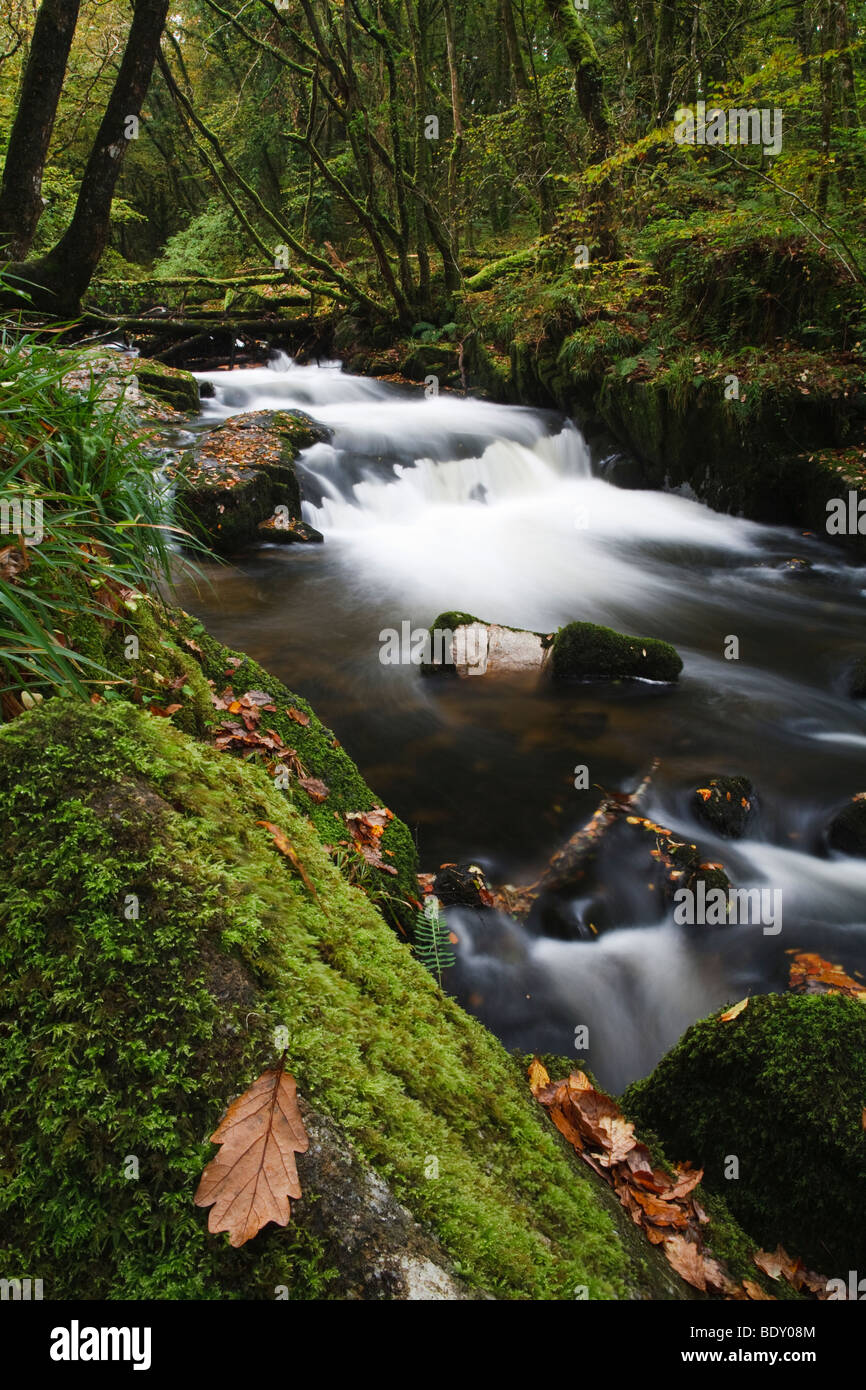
x,y
432,504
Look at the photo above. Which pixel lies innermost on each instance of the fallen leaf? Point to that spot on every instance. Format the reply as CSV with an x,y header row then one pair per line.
x,y
735,1011
249,1182
285,846
298,716
316,790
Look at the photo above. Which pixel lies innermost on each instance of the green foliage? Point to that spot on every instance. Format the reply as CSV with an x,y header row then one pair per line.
x,y
211,244
67,456
433,940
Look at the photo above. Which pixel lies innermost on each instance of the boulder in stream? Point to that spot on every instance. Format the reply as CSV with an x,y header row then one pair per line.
x,y
587,651
238,485
780,1088
847,830
468,646
725,804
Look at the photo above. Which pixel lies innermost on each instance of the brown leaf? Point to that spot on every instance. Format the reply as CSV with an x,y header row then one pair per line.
x,y
284,845
734,1011
811,974
316,789
249,1182
298,716
778,1264
756,1292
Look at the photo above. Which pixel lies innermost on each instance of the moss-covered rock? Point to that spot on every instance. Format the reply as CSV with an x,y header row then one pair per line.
x,y
586,651
725,804
179,666
152,937
781,1087
178,388
847,830
242,474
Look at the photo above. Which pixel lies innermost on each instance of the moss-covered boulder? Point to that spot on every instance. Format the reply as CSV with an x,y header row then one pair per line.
x,y
725,804
178,388
242,474
847,830
781,1088
152,938
586,651
461,643
178,668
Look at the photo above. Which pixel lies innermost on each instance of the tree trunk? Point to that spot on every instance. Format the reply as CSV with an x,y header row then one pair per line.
x,y
588,74
21,191
57,281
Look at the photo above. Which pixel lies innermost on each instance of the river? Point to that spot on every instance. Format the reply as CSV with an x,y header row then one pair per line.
x,y
429,504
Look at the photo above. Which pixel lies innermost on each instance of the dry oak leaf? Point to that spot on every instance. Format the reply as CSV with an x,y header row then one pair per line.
x,y
734,1011
249,1182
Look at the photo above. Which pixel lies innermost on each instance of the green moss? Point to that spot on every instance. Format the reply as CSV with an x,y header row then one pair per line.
x,y
781,1087
124,1036
590,652
170,384
450,621
321,756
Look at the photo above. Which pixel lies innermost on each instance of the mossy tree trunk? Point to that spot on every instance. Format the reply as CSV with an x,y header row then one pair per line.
x,y
57,281
21,191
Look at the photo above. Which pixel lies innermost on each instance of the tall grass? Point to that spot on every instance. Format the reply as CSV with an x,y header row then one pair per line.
x,y
106,520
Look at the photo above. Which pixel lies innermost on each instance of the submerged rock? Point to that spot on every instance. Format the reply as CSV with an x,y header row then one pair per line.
x,y
847,830
241,475
780,1089
725,804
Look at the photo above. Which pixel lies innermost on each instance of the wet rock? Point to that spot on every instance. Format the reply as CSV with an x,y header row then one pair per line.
x,y
242,474
780,1087
462,885
285,532
372,1244
180,389
857,680
469,646
586,651
725,804
847,830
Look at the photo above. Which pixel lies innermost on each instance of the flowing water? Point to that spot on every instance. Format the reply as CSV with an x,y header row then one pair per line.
x,y
445,502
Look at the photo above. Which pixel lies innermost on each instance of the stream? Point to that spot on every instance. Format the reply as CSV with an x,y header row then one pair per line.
x,y
430,504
